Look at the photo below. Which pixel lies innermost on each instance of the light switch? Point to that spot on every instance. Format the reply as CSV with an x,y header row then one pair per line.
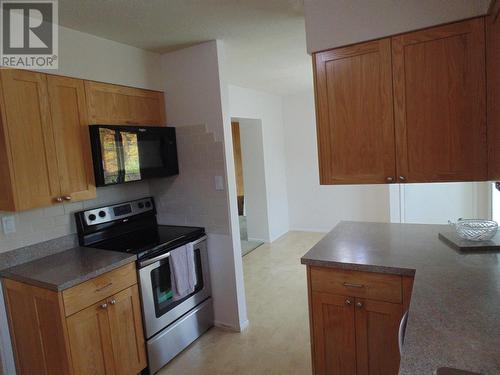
x,y
219,183
9,224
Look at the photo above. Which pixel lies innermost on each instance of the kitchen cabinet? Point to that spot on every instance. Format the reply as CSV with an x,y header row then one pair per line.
x,y
354,318
354,114
411,108
493,86
46,158
103,337
440,103
71,137
119,105
29,159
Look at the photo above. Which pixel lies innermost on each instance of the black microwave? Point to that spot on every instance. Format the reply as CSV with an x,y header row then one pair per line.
x,y
124,154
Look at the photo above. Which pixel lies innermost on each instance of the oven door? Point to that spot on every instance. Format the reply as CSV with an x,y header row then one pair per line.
x,y
159,307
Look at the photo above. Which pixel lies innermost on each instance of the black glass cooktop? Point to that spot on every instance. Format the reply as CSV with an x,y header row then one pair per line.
x,y
146,243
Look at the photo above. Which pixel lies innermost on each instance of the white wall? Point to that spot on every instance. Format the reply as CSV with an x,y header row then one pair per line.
x,y
437,203
313,207
90,57
333,23
251,104
254,179
196,104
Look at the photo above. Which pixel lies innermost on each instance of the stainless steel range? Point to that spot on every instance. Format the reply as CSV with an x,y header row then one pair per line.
x,y
173,316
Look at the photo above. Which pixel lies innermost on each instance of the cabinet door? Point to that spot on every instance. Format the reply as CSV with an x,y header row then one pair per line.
x,y
440,105
377,325
90,341
126,331
120,105
71,136
29,138
354,110
493,84
334,350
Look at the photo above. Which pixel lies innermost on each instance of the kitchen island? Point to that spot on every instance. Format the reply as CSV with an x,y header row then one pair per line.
x,y
454,313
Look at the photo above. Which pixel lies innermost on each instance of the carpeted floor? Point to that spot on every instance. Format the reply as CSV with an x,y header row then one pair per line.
x,y
246,245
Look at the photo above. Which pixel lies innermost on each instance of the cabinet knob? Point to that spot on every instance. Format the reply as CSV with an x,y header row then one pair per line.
x,y
58,199
359,304
348,302
104,306
402,178
113,302
67,197
389,179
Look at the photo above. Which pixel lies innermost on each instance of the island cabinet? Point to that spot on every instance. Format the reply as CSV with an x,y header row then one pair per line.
x,y
354,320
411,108
93,328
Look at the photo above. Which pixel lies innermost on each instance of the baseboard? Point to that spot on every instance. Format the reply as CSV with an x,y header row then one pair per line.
x,y
232,328
314,230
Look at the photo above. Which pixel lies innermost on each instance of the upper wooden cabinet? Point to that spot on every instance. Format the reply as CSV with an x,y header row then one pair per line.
x,y
354,114
45,155
433,81
45,133
71,136
30,170
440,103
493,85
120,105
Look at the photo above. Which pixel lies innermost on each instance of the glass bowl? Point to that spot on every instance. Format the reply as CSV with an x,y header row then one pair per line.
x,y
476,229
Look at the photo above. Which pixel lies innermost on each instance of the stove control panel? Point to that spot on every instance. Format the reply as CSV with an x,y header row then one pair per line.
x,y
118,211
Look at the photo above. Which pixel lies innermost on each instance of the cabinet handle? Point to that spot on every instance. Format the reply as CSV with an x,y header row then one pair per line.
x,y
389,179
103,287
348,302
359,304
402,331
104,306
67,197
352,285
402,178
58,199
113,302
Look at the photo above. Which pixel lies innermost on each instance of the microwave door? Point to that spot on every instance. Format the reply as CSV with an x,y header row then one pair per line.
x,y
130,155
111,156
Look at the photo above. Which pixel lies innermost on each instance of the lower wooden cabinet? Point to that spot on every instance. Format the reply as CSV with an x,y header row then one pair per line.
x,y
351,335
104,338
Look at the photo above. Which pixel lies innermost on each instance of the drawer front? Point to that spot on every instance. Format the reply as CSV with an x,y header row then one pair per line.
x,y
376,286
101,287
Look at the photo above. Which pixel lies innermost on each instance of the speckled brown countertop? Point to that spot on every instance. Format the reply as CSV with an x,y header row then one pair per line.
x,y
68,268
454,317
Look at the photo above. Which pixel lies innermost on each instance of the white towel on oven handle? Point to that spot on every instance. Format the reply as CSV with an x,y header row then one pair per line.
x,y
182,271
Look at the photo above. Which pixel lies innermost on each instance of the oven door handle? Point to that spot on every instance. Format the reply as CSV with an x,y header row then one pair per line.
x,y
147,262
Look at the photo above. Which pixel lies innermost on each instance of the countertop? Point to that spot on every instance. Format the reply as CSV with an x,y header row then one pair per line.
x,y
68,268
454,316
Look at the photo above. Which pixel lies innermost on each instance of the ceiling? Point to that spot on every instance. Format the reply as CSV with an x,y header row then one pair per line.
x,y
264,40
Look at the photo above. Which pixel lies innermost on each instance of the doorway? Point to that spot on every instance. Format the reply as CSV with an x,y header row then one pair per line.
x,y
250,183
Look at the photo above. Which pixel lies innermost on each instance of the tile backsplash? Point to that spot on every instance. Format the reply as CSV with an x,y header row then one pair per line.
x,y
191,197
47,223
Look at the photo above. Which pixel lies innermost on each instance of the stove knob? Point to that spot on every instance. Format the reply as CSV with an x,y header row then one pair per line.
x,y
102,213
140,205
148,204
92,217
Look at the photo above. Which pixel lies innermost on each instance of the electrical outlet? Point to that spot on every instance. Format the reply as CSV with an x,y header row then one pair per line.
x,y
9,224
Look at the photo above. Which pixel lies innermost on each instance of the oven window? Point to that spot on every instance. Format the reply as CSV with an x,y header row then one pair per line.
x,y
162,287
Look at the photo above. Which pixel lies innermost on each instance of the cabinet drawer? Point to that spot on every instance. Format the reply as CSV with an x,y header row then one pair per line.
x,y
101,287
376,286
